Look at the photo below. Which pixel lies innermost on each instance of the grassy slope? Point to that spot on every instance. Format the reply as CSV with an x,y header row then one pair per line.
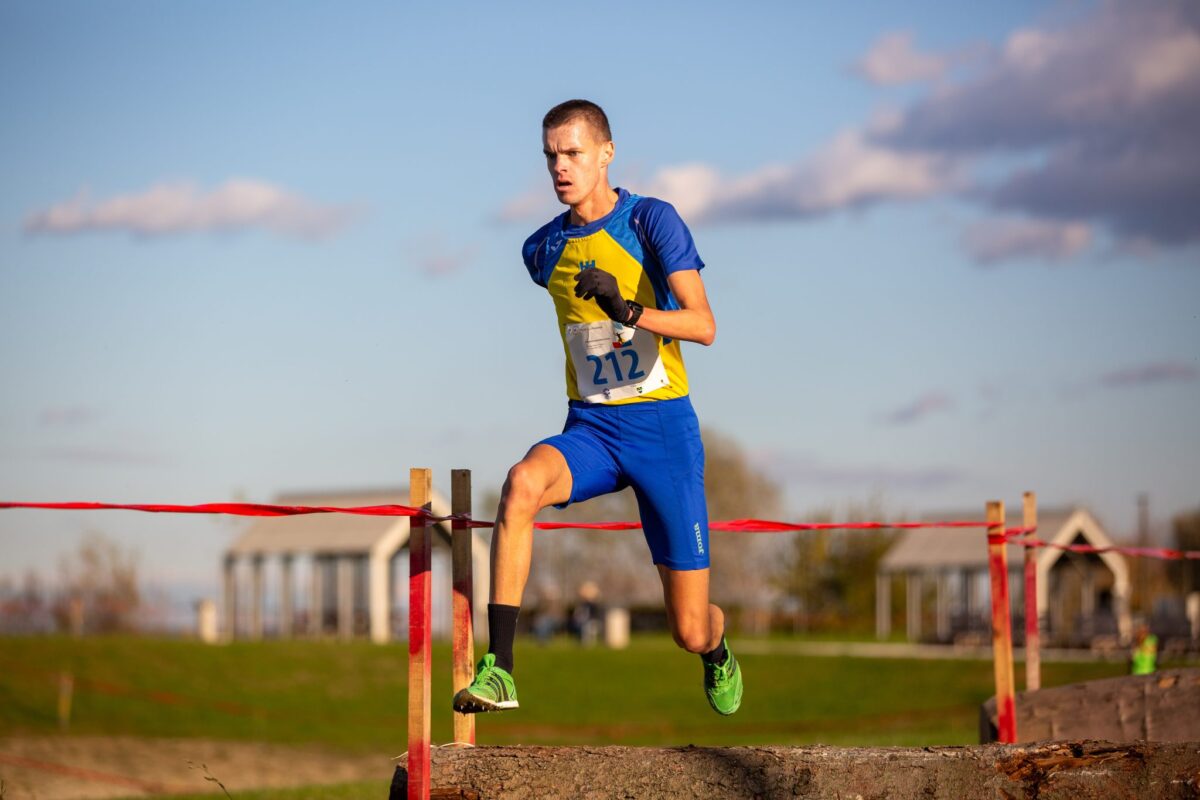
x,y
353,696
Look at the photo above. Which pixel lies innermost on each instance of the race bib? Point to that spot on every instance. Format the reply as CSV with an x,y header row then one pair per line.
x,y
614,362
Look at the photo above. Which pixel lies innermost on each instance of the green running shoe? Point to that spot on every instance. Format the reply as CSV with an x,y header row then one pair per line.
x,y
492,690
723,683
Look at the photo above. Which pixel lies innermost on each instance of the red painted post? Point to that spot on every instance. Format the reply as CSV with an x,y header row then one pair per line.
x,y
1006,708
1033,643
420,487
464,598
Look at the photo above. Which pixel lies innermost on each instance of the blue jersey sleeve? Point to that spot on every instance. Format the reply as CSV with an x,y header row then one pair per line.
x,y
541,251
661,227
529,254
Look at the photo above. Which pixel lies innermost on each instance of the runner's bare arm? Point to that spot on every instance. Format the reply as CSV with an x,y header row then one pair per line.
x,y
693,322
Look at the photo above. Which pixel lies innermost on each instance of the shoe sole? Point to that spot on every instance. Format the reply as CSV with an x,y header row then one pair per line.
x,y
468,703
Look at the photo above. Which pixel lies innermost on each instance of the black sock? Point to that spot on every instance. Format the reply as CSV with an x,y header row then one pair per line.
x,y
716,655
502,629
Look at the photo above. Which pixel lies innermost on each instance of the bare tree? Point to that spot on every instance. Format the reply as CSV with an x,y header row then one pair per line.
x,y
101,577
24,609
830,572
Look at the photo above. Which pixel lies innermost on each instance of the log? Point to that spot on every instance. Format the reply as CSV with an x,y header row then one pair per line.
x,y
1164,707
1057,771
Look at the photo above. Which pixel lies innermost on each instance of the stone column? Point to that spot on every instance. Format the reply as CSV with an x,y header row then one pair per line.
x,y
229,577
345,596
1087,597
379,596
883,605
316,598
256,598
286,597
943,607
912,606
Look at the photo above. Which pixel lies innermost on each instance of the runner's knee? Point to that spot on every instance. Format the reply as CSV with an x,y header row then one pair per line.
x,y
692,635
523,489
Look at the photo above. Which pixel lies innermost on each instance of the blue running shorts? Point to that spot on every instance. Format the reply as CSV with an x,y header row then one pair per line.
x,y
654,447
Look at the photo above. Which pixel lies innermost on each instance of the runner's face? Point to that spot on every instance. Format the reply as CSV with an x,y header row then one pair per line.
x,y
577,161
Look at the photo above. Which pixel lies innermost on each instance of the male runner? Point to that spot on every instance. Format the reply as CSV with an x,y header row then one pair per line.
x,y
625,279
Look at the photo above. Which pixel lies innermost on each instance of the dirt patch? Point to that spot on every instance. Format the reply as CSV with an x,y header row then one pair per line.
x,y
77,767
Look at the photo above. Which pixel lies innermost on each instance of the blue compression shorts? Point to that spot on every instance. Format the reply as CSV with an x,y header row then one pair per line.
x,y
654,447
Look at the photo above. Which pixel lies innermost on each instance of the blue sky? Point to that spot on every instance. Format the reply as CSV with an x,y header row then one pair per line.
x,y
253,248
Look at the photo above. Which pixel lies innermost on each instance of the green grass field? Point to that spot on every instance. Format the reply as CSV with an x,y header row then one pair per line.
x,y
352,696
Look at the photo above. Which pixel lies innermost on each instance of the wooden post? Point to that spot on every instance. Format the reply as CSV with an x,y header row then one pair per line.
x,y
66,691
420,487
1006,709
464,598
1033,656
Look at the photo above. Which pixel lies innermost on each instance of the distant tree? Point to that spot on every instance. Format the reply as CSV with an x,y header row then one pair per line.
x,y
745,565
830,574
24,609
102,576
1186,529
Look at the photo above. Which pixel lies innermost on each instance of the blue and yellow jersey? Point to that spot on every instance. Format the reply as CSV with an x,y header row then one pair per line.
x,y
640,242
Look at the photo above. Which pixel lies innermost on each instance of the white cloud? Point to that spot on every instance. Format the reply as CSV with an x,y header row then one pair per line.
x,y
536,203
1150,373
808,470
850,171
929,403
175,208
438,257
1067,132
893,59
1002,239
1109,106
68,416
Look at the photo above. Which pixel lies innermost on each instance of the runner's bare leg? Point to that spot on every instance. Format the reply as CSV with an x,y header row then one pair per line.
x,y
540,479
696,624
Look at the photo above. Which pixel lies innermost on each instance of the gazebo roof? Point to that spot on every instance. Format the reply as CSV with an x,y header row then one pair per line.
x,y
329,534
923,549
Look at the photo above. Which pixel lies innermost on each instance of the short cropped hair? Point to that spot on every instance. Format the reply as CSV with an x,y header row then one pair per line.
x,y
571,110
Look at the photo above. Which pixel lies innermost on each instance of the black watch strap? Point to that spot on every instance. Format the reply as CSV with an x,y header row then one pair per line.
x,y
635,312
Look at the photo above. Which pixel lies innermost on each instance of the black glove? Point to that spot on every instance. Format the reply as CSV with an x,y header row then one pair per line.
x,y
597,284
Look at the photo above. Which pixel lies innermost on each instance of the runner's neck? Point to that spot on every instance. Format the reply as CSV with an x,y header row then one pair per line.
x,y
594,207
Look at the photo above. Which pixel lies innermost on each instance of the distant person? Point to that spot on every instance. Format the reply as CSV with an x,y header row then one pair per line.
x,y
624,276
1145,652
584,621
549,616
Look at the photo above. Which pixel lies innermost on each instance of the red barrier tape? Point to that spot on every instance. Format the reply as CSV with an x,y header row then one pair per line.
x,y
1012,535
460,521
237,509
1018,536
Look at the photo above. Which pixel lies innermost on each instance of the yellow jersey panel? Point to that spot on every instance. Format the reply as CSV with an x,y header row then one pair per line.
x,y
639,243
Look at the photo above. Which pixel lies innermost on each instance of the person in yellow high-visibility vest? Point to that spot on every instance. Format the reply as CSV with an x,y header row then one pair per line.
x,y
1145,652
